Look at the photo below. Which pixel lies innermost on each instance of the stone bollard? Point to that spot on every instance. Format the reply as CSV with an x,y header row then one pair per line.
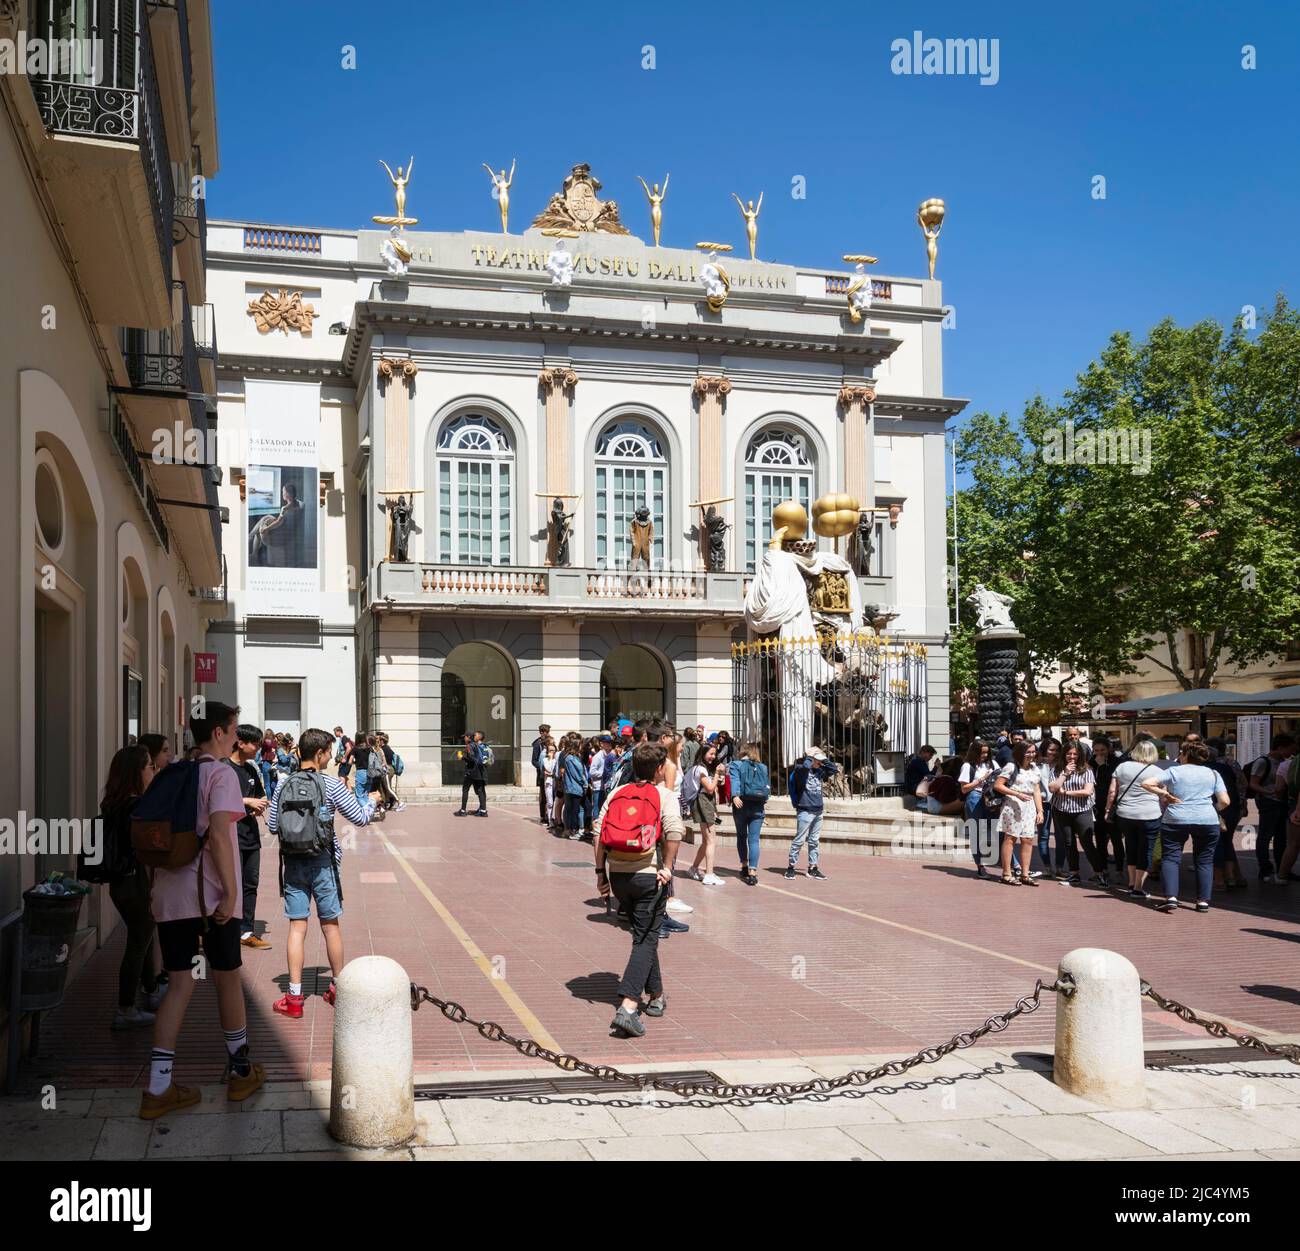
x,y
372,1088
1099,1053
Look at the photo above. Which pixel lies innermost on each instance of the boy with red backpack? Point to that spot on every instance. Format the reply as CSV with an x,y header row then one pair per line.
x,y
638,834
302,817
183,831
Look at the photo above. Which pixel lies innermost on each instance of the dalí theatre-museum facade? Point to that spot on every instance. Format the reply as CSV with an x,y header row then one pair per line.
x,y
489,479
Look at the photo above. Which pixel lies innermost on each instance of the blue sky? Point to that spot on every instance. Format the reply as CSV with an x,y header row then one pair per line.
x,y
1199,154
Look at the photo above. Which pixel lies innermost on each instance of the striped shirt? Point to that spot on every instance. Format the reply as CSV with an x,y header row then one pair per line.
x,y
1076,782
339,799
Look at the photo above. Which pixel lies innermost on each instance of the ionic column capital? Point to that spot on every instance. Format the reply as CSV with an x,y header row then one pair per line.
x,y
558,377
851,394
391,367
706,385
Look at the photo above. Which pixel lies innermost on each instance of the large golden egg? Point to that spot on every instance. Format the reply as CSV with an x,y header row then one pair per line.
x,y
835,515
792,516
1042,710
931,213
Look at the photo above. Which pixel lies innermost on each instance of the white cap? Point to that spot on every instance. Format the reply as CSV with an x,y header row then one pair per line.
x,y
816,753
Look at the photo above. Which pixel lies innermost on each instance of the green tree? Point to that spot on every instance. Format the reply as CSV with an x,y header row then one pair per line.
x,y
1160,496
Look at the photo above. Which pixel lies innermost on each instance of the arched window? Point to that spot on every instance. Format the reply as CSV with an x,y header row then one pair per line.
x,y
475,492
631,470
777,467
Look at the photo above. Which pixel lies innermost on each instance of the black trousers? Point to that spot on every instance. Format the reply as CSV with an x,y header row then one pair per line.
x,y
1109,838
250,867
1080,824
480,790
130,896
541,803
643,901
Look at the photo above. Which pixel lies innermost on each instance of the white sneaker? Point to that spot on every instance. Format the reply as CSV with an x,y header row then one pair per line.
x,y
696,875
131,1018
676,905
712,879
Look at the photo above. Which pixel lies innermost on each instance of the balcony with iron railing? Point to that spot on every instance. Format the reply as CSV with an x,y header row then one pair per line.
x,y
124,441
190,227
106,158
204,320
165,361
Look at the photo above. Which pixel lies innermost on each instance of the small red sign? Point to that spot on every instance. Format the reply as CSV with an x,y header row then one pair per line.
x,y
205,666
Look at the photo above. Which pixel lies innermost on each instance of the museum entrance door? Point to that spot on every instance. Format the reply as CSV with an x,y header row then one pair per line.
x,y
479,692
632,685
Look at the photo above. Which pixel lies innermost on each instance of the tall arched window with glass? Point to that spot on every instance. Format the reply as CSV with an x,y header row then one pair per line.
x,y
631,471
475,492
777,467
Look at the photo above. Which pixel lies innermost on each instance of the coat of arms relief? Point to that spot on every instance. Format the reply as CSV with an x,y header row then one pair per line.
x,y
577,207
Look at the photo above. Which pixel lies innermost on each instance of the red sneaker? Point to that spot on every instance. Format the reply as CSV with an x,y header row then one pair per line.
x,y
331,994
290,1005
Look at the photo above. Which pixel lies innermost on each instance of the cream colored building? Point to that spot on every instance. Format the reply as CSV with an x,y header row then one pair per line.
x,y
113,560
476,383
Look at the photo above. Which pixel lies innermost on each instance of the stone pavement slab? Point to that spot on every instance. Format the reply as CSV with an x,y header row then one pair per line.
x,y
820,1143
651,1147
1242,1129
942,1140
1073,1137
1156,1130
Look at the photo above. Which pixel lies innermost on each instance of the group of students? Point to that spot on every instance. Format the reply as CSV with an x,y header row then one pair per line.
x,y
373,766
205,905
1133,807
635,791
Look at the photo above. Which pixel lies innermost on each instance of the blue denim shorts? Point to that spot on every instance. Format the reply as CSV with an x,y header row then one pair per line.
x,y
307,878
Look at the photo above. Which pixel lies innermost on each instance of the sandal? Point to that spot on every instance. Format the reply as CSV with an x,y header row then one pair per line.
x,y
1026,880
1008,880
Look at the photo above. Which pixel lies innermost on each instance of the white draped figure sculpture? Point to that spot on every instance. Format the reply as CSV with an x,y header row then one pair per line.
x,y
778,603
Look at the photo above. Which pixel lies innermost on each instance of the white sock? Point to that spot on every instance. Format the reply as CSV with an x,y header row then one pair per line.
x,y
249,934
295,988
160,1070
235,1038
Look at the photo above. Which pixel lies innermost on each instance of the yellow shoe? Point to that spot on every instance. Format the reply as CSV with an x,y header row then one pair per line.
x,y
239,1088
172,1099
256,943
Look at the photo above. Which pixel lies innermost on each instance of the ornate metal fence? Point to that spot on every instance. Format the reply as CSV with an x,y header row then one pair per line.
x,y
852,695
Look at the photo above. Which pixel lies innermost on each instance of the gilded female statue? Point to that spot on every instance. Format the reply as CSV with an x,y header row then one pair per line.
x,y
656,198
750,213
501,189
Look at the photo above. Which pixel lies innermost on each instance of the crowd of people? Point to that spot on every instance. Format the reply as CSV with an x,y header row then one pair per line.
x,y
1131,813
177,905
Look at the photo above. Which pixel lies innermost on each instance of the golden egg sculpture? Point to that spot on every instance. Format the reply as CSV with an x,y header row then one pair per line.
x,y
793,517
835,516
1042,710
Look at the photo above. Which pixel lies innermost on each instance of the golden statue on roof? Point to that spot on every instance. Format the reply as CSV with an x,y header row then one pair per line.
x,y
576,206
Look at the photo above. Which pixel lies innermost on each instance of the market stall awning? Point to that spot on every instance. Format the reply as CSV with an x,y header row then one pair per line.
x,y
1177,700
1284,697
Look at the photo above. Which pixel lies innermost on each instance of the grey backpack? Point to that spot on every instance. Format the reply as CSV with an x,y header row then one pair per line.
x,y
306,822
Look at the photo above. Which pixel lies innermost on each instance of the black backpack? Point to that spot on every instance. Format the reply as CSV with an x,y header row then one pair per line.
x,y
301,828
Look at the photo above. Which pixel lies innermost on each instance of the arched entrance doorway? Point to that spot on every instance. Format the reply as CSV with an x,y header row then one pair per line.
x,y
633,685
479,693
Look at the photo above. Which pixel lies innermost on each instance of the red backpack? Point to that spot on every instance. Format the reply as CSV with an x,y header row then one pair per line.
x,y
632,819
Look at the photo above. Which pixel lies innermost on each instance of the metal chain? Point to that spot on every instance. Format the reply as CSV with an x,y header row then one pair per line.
x,y
778,1090
1218,1029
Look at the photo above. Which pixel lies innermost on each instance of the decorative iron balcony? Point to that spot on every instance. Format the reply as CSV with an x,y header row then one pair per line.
x,y
99,82
123,440
165,360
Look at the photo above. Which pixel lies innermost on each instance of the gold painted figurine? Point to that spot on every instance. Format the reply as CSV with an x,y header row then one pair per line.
x,y
750,213
859,292
656,198
930,218
399,181
501,190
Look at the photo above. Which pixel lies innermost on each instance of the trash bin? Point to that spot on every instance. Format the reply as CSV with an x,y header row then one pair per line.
x,y
49,923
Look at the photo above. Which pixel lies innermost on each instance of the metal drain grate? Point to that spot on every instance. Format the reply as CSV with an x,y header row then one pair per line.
x,y
526,1087
1167,1059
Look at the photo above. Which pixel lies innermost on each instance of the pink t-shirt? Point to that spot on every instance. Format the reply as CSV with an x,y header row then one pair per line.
x,y
176,891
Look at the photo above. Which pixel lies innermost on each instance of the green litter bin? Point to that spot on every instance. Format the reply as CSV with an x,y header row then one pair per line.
x,y
49,924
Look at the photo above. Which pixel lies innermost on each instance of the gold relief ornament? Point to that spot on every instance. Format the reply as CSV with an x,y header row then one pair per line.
x,y
750,213
282,310
576,206
929,216
713,277
830,592
859,292
656,198
501,191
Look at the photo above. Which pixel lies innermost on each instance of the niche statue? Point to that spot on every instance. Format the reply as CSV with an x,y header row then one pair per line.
x,y
643,533
561,532
399,515
716,527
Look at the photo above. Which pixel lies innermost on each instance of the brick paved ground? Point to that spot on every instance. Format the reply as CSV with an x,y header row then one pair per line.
x,y
887,956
